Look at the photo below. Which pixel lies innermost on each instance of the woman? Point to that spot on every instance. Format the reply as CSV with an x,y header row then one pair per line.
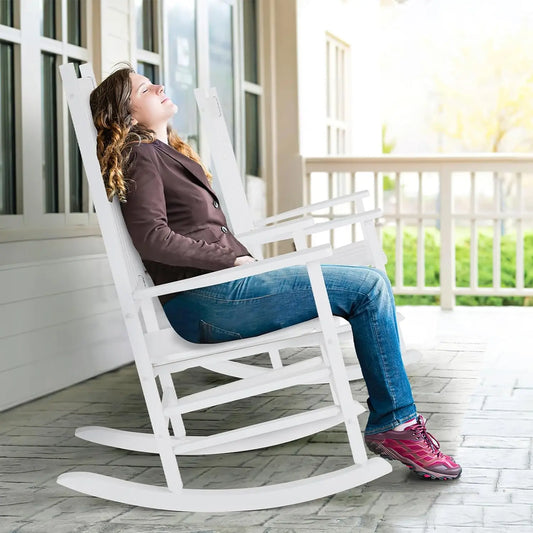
x,y
177,226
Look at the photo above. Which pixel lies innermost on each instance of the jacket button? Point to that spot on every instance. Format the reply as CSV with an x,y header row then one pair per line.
x,y
224,229
215,204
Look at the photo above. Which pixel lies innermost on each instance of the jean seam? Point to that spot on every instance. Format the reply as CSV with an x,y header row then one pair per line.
x,y
383,361
240,300
208,326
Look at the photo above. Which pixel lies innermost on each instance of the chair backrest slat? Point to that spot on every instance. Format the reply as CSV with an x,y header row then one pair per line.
x,y
227,173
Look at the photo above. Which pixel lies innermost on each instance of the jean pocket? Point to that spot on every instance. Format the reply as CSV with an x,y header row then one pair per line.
x,y
211,334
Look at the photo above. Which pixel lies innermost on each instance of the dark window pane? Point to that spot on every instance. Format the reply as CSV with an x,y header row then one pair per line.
x,y
76,179
49,113
252,134
74,22
182,76
6,12
75,172
221,58
148,70
48,18
250,40
7,131
145,11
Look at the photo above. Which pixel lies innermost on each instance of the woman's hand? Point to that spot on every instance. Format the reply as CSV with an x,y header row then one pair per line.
x,y
243,259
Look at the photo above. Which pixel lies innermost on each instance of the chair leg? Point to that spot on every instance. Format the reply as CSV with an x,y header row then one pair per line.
x,y
275,358
339,378
170,398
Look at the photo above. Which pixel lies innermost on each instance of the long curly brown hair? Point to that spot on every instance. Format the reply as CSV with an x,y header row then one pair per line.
x,y
116,133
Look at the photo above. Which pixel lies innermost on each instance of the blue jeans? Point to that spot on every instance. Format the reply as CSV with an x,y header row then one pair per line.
x,y
259,304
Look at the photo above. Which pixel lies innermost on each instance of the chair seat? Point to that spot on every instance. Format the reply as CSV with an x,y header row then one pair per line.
x,y
167,347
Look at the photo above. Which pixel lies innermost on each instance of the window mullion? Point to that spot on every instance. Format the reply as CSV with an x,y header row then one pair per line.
x,y
10,34
31,115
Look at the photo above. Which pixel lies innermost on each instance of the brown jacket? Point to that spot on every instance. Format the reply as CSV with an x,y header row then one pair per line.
x,y
174,217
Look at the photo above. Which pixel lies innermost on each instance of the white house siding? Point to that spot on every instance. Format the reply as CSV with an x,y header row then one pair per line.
x,y
60,321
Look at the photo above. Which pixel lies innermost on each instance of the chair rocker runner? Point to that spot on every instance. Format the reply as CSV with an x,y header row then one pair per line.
x,y
296,224
159,352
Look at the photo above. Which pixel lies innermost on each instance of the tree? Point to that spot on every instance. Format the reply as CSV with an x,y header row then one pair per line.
x,y
484,95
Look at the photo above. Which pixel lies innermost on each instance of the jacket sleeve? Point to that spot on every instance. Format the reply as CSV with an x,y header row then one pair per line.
x,y
145,215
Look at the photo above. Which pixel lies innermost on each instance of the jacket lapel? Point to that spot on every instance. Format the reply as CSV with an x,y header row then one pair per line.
x,y
194,169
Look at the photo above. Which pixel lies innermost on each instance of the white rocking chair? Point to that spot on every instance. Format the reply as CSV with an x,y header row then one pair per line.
x,y
296,224
159,352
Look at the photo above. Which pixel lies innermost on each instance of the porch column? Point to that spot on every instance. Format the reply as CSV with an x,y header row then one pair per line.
x,y
285,185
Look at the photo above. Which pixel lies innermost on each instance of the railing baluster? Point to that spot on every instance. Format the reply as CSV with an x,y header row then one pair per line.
x,y
331,177
399,232
473,234
519,234
497,232
352,205
447,245
307,192
378,201
421,256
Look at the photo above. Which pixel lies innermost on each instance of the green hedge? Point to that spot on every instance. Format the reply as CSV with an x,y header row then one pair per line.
x,y
462,265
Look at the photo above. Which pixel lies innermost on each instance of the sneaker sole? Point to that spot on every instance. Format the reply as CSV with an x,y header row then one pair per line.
x,y
391,455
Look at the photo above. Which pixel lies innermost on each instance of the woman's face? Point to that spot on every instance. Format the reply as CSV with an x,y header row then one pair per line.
x,y
149,104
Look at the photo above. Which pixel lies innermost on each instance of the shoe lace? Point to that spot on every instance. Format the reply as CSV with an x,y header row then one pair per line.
x,y
421,432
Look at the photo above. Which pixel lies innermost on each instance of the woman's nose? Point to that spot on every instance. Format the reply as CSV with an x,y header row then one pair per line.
x,y
161,89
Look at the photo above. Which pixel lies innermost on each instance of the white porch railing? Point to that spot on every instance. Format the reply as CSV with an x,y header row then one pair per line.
x,y
458,196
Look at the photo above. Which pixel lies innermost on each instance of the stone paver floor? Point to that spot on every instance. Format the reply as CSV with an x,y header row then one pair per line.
x,y
474,384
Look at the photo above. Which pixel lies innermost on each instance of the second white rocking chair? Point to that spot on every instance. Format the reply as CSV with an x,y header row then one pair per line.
x,y
297,225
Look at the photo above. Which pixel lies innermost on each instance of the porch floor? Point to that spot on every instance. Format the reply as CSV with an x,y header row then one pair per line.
x,y
474,384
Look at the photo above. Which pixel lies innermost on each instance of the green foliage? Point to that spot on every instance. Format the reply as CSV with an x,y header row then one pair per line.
x,y
462,265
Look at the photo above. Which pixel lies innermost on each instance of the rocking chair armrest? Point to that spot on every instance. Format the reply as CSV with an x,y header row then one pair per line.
x,y
279,232
348,220
302,257
299,211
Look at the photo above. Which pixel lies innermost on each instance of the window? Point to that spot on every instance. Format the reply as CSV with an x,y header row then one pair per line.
x,y
148,70
48,18
145,11
65,188
42,184
252,90
9,50
6,12
221,68
337,91
201,46
78,183
181,75
49,133
7,130
147,39
74,25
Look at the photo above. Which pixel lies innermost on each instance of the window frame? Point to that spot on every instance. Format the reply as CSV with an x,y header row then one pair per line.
x,y
338,95
256,89
32,222
160,60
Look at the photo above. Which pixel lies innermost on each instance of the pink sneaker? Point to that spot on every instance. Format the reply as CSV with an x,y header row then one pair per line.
x,y
415,448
